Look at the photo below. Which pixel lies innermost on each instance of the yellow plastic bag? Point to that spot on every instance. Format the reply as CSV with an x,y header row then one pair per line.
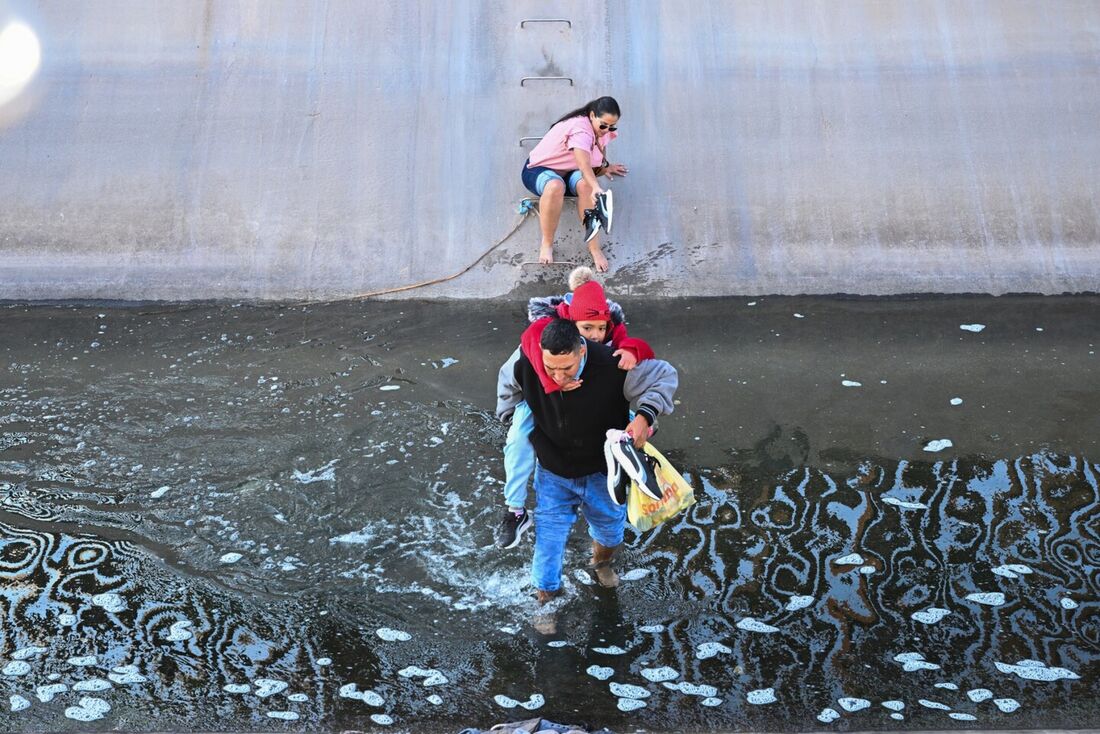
x,y
644,512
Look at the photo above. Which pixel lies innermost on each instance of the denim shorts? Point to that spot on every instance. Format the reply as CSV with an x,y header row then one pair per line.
x,y
535,179
557,500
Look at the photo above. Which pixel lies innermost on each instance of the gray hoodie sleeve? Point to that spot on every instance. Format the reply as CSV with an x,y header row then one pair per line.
x,y
650,387
509,393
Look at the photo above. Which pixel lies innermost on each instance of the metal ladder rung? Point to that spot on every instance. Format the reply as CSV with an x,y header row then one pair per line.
x,y
525,21
524,80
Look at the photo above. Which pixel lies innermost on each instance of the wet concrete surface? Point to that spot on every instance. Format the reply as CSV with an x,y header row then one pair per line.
x,y
233,517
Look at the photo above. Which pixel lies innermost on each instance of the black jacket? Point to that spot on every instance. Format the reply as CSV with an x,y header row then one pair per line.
x,y
570,427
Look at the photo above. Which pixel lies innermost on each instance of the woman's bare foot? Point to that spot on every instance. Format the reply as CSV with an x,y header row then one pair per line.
x,y
546,254
598,258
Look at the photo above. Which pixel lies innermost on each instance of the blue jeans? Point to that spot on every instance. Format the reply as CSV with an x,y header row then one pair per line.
x,y
556,502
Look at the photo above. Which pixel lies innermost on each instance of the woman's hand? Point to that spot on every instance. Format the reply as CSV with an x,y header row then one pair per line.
x,y
615,169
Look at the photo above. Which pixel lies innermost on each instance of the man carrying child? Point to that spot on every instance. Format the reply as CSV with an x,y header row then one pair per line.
x,y
569,429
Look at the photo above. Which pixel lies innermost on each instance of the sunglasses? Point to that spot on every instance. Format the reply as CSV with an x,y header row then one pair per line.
x,y
605,126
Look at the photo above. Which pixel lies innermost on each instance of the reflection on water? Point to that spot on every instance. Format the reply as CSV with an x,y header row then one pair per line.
x,y
231,522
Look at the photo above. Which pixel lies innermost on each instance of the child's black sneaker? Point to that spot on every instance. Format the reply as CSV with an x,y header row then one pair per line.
x,y
592,224
605,209
511,528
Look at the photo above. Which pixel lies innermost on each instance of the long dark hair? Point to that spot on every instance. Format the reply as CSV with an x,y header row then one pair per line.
x,y
598,106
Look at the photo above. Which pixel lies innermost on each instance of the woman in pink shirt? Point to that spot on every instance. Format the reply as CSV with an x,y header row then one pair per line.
x,y
567,161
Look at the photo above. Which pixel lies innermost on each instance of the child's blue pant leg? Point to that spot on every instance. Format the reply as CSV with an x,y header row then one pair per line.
x,y
519,456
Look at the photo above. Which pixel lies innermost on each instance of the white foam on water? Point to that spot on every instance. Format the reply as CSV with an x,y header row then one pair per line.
x,y
89,708
536,701
627,690
110,601
269,687
798,602
360,537
975,328
435,700
912,661
126,674
962,717
988,598
711,701
660,675
1036,670
18,703
828,715
92,685
707,650
381,719
931,615
956,401
652,628
938,444
933,704
387,388
749,624
392,635
1067,603
83,661
1006,705
46,693
326,473
761,696
16,669
178,631
1011,570
505,702
230,558
431,676
894,705
851,383
298,697
852,559
851,705
609,650
158,493
599,672
903,504
236,688
630,704
977,695
635,574
897,717
799,316
284,715
25,653
557,643
946,686
692,689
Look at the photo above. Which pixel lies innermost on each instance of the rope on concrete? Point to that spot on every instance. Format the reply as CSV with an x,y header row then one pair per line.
x,y
424,283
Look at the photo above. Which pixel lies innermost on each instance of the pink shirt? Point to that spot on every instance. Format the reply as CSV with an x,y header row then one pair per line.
x,y
555,150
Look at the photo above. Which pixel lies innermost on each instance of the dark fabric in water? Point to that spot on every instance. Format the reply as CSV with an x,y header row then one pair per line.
x,y
536,726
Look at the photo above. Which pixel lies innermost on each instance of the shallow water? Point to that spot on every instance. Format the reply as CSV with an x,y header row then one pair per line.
x,y
262,518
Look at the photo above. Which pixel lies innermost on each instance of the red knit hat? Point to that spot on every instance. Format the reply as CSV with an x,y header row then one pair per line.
x,y
589,303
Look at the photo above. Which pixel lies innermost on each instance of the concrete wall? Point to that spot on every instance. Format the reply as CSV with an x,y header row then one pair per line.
x,y
267,149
